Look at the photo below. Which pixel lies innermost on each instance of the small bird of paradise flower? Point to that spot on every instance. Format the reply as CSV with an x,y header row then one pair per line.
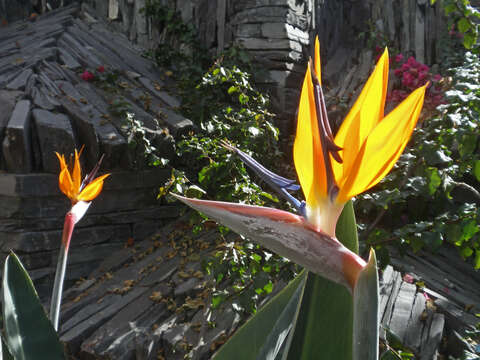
x,y
81,193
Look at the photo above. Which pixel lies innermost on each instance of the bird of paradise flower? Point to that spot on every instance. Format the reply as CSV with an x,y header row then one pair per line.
x,y
81,193
331,170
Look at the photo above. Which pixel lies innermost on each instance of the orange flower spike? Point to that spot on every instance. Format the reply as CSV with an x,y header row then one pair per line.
x,y
70,181
366,147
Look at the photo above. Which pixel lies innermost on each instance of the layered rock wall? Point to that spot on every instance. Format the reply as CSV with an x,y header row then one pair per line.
x,y
278,33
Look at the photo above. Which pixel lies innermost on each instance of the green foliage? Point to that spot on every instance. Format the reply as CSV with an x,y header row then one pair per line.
x,y
432,195
29,334
224,105
464,17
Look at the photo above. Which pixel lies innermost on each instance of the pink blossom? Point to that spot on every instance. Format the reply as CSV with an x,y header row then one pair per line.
x,y
437,77
423,68
101,69
87,76
408,278
398,72
412,62
399,58
405,67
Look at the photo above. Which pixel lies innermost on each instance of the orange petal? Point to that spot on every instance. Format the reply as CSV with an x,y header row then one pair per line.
x,y
307,148
318,67
362,118
77,172
65,182
92,190
383,146
61,159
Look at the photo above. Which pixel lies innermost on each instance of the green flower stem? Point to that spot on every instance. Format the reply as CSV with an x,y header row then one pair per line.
x,y
60,272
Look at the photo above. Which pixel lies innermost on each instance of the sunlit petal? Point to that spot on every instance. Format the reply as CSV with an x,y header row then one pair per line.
x,y
307,149
362,118
383,146
77,172
318,64
65,182
92,190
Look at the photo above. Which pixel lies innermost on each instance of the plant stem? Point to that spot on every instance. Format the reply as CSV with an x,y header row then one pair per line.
x,y
60,272
58,287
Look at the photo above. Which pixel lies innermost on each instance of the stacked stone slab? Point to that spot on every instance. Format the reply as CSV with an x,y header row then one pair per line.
x,y
46,107
278,33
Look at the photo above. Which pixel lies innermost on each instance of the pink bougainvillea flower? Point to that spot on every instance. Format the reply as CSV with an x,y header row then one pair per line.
x,y
331,171
399,58
87,76
101,69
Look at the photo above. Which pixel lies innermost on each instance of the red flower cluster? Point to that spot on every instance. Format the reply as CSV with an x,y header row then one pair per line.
x,y
87,76
412,74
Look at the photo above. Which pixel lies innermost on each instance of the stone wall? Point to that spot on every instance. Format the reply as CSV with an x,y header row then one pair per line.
x,y
46,105
278,33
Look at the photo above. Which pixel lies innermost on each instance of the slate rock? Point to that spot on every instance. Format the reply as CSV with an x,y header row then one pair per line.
x,y
20,81
55,134
42,99
17,142
8,100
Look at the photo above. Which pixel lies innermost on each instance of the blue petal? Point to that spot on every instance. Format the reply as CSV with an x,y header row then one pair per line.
x,y
277,182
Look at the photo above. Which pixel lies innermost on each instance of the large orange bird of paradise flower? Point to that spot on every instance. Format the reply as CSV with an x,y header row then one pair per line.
x,y
331,170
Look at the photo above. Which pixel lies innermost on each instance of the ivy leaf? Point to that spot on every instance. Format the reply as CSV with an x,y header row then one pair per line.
x,y
434,180
476,262
476,170
466,252
463,25
469,39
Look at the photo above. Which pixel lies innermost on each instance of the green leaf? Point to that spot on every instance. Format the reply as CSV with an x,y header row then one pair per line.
x,y
449,8
325,322
476,169
469,39
476,262
270,321
29,333
434,180
4,351
466,252
365,304
463,25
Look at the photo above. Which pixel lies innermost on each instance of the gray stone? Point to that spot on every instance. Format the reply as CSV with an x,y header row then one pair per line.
x,y
20,81
83,128
177,124
250,30
55,134
164,96
419,35
31,242
113,8
269,44
17,141
42,99
68,59
7,104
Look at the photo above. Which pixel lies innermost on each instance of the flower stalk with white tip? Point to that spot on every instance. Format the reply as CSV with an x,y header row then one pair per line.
x,y
81,193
